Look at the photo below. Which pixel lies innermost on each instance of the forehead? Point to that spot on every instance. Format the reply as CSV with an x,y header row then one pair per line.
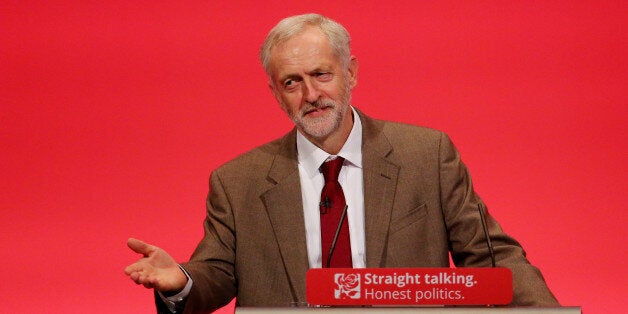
x,y
305,52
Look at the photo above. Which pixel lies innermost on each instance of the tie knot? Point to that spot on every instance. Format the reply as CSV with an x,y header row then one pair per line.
x,y
331,169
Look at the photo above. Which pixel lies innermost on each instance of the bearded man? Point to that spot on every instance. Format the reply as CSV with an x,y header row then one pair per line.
x,y
406,199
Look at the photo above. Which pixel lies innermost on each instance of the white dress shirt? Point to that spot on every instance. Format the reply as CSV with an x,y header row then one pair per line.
x,y
310,159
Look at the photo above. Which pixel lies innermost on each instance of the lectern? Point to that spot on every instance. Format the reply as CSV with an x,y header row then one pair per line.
x,y
409,291
413,310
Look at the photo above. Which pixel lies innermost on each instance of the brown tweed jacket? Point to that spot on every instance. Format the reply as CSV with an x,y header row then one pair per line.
x,y
419,206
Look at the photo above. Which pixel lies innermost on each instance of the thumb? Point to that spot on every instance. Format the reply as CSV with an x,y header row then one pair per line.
x,y
139,246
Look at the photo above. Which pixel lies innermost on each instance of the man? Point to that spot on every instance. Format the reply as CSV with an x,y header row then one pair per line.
x,y
409,199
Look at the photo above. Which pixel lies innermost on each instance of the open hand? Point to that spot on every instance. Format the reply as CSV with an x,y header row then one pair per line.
x,y
157,269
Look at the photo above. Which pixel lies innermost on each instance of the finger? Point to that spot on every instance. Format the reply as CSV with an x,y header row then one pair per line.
x,y
143,279
134,268
148,282
140,279
135,277
139,246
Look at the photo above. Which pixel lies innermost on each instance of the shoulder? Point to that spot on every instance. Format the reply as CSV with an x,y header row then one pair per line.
x,y
259,159
402,135
404,131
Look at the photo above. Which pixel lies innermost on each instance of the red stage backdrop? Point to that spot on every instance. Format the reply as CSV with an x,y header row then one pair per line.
x,y
114,113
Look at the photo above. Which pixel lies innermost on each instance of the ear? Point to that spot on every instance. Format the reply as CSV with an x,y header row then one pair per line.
x,y
353,72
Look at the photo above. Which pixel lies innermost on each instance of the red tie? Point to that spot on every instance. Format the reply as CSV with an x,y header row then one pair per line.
x,y
332,208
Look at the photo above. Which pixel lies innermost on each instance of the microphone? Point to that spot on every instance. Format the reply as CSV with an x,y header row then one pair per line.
x,y
324,205
488,238
333,242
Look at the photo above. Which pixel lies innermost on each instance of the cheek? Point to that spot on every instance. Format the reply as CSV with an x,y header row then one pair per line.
x,y
291,102
335,91
286,105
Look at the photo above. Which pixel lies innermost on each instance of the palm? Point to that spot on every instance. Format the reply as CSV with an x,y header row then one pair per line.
x,y
157,269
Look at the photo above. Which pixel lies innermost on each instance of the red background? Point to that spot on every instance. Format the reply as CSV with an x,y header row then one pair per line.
x,y
113,115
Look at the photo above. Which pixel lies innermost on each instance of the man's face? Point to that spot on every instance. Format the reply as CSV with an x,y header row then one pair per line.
x,y
311,84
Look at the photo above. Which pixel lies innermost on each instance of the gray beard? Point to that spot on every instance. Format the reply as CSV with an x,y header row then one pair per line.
x,y
321,126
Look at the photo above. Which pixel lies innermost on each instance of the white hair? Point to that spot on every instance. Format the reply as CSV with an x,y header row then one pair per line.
x,y
287,28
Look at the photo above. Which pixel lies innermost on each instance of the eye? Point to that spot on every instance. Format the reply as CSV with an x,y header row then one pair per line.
x,y
323,76
289,84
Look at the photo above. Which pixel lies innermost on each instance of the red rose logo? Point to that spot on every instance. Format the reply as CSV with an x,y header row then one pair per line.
x,y
348,286
349,282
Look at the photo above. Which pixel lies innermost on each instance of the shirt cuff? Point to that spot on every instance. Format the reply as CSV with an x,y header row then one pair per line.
x,y
172,301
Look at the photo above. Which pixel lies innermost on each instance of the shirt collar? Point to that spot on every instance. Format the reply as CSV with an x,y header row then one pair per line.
x,y
311,157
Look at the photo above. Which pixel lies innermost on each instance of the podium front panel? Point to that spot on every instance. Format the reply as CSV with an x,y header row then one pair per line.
x,y
410,310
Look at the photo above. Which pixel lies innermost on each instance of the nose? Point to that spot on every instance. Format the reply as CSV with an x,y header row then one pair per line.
x,y
310,91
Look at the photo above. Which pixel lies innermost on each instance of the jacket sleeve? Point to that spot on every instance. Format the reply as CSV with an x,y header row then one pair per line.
x,y
467,240
211,266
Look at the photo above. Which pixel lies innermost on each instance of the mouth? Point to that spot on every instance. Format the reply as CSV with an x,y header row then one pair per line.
x,y
316,112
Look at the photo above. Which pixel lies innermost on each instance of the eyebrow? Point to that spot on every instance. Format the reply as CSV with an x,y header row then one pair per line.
x,y
318,69
322,68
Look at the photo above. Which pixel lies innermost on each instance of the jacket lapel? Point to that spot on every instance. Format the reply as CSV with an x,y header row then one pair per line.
x,y
285,206
285,210
380,183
